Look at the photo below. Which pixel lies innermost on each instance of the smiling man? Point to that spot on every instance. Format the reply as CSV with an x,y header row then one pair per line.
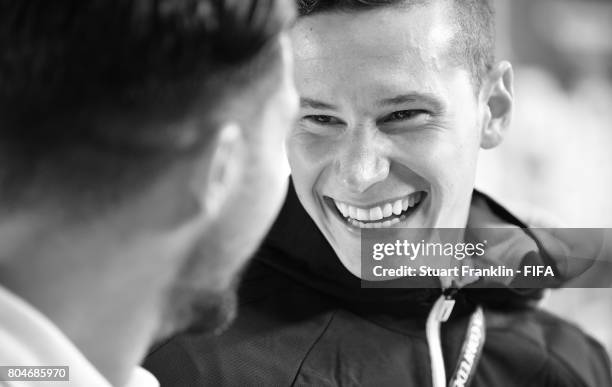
x,y
397,99
394,115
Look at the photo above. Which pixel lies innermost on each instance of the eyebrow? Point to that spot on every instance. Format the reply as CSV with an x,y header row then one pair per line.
x,y
314,104
429,99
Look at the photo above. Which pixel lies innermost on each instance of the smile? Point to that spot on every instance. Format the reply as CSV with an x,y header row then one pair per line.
x,y
380,216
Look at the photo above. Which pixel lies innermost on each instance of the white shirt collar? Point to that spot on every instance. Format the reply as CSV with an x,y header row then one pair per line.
x,y
30,339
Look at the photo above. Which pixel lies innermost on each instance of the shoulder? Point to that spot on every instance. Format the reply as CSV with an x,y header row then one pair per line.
x,y
276,316
553,351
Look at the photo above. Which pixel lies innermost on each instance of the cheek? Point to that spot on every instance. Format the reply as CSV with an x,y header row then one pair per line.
x,y
445,158
457,166
308,155
265,177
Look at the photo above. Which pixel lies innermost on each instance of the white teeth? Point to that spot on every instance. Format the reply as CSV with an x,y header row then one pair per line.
x,y
397,207
345,210
342,208
363,214
376,213
388,210
357,216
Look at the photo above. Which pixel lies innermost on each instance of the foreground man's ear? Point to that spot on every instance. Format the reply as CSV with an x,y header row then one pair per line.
x,y
223,164
498,94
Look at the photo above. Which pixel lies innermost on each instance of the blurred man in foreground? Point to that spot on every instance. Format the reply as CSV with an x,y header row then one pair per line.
x,y
139,151
397,99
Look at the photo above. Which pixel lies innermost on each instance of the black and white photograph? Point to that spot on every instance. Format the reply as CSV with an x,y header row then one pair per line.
x,y
292,193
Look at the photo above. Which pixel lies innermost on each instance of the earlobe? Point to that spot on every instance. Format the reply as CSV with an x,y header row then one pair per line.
x,y
225,161
498,93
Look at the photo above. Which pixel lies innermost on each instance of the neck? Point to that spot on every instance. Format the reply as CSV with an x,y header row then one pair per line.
x,y
104,301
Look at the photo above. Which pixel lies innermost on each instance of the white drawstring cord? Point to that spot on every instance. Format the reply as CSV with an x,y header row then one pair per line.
x,y
439,313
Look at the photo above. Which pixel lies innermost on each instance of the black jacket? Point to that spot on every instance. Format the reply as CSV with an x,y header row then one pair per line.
x,y
305,321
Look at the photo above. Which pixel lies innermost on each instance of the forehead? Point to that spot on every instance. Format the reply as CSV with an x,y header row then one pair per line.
x,y
384,47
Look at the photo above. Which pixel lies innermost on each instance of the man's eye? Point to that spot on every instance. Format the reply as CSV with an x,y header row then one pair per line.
x,y
404,115
323,120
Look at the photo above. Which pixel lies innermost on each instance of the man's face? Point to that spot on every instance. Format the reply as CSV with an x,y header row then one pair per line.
x,y
203,297
389,127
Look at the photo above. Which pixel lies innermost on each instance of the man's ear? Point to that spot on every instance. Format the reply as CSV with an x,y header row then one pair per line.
x,y
498,95
221,169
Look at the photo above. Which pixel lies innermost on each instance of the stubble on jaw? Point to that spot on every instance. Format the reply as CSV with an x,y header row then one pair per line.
x,y
191,307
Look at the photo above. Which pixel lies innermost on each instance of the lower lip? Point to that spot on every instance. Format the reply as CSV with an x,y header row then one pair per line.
x,y
357,230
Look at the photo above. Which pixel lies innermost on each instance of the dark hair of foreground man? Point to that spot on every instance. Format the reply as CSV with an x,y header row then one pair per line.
x,y
137,139
91,91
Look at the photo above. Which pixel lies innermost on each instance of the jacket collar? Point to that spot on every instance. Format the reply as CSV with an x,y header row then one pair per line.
x,y
297,248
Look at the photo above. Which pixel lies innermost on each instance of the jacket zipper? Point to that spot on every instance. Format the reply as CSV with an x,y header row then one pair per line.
x,y
440,312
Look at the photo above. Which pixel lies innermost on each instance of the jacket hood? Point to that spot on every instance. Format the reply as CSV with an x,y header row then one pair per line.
x,y
297,248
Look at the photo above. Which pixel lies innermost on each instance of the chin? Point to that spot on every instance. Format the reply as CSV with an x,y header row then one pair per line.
x,y
199,312
344,234
213,316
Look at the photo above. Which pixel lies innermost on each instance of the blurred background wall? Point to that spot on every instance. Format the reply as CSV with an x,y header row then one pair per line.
x,y
556,163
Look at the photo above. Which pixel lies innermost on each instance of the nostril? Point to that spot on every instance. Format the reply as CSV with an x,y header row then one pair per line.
x,y
360,176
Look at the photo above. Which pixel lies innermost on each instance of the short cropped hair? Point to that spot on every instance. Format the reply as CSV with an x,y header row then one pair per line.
x,y
92,92
474,44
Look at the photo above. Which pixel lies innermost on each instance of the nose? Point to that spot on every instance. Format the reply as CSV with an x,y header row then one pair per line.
x,y
361,165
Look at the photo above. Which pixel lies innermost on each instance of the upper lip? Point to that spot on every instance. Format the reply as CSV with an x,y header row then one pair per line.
x,y
372,205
